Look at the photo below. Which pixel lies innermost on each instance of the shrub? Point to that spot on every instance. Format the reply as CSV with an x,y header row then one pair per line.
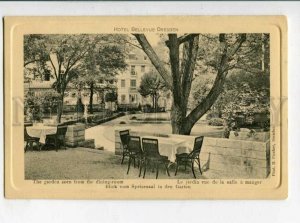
x,y
216,122
133,118
122,122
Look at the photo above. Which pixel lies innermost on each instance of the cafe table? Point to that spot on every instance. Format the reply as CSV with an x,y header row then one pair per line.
x,y
41,131
171,146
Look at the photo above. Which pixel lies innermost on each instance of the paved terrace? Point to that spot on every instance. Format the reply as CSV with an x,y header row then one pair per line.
x,y
84,163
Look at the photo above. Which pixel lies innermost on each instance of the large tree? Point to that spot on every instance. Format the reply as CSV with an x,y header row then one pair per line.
x,y
102,64
151,85
65,55
183,54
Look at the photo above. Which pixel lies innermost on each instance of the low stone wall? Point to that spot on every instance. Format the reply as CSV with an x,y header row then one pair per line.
x,y
231,158
236,158
245,135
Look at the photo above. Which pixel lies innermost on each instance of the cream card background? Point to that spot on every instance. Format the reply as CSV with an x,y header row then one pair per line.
x,y
210,211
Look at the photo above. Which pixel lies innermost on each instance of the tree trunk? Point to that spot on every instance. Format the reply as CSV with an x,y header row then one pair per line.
x,y
179,81
91,97
60,107
177,119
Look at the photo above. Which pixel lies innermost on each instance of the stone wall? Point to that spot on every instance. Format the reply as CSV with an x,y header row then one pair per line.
x,y
230,158
75,136
246,135
236,158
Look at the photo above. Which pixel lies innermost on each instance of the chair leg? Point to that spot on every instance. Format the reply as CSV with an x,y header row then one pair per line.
x,y
199,165
157,166
166,165
129,162
193,168
123,158
63,144
177,164
26,146
146,163
134,162
31,145
140,167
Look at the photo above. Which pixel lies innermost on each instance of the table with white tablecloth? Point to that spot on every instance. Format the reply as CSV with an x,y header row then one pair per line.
x,y
41,132
171,146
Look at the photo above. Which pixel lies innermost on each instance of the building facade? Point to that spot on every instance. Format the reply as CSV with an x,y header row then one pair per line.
x,y
128,82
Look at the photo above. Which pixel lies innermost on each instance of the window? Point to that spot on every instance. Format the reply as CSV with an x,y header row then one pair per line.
x,y
122,83
133,83
143,68
132,98
123,98
132,70
145,57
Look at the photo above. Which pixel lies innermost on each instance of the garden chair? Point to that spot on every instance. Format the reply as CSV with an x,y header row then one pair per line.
x,y
58,139
124,135
135,152
29,140
152,156
192,157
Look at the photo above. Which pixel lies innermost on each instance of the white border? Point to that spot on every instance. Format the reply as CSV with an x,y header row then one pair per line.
x,y
167,211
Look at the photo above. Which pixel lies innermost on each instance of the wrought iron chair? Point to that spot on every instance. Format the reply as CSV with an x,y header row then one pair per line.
x,y
152,156
58,139
124,135
185,158
135,152
28,139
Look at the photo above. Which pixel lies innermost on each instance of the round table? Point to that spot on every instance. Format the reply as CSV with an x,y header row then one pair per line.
x,y
41,132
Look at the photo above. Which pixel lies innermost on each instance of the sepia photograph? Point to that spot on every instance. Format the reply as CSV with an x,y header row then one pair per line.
x,y
111,106
139,106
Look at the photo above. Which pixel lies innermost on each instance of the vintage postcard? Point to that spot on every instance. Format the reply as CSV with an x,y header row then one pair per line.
x,y
146,107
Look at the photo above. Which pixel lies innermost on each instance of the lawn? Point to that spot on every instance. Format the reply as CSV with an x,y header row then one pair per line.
x,y
83,163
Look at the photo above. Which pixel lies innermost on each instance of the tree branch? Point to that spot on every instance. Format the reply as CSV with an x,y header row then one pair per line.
x,y
184,38
29,62
55,73
190,52
157,63
217,87
174,59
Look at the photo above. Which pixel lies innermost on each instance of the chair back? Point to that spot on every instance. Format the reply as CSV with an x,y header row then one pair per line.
x,y
124,135
62,130
26,135
134,144
197,146
150,147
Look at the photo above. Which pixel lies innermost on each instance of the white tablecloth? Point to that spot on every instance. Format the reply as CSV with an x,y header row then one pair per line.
x,y
41,132
171,146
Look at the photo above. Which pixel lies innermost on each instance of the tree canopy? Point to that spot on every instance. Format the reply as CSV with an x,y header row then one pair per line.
x,y
192,55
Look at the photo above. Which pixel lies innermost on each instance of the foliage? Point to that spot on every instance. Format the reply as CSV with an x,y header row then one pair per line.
x,y
69,56
192,55
111,96
152,85
37,105
216,122
244,97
